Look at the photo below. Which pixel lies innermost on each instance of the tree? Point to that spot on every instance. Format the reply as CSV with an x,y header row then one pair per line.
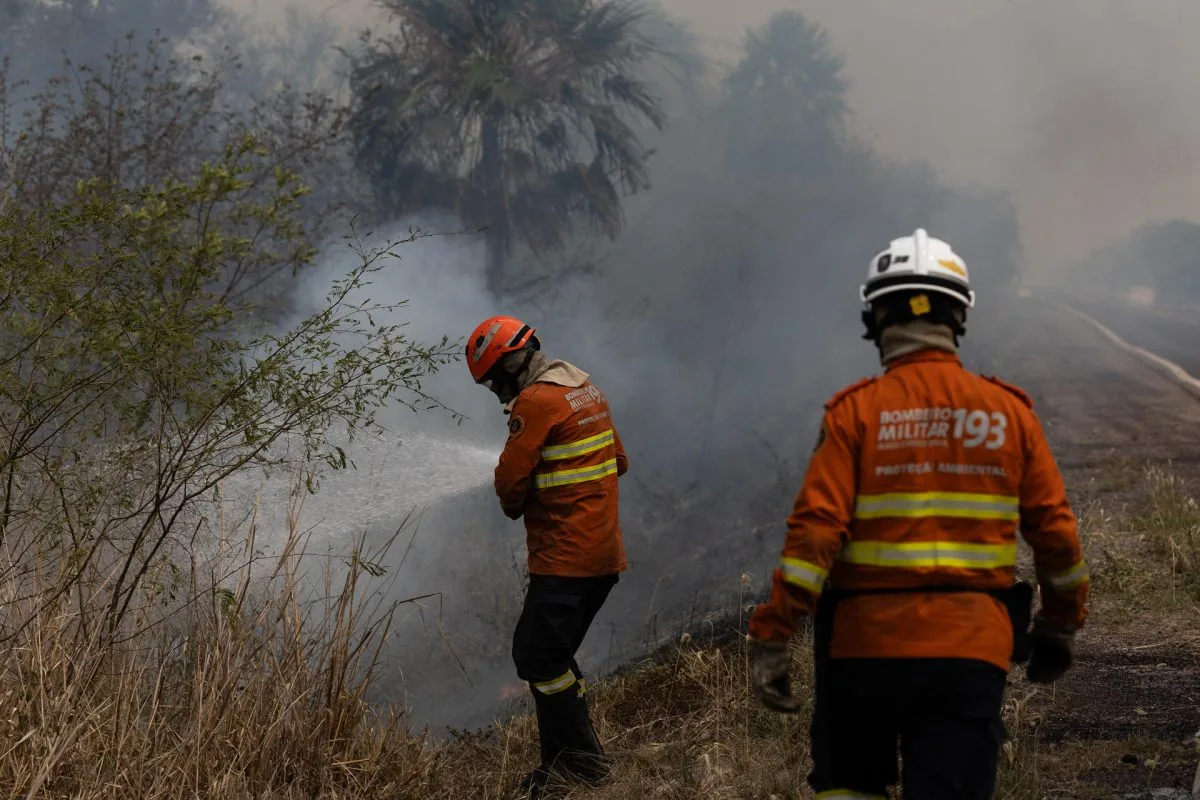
x,y
786,98
1162,256
37,34
512,114
126,397
144,117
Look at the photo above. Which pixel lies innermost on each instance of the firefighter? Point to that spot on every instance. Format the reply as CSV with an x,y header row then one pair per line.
x,y
902,544
559,471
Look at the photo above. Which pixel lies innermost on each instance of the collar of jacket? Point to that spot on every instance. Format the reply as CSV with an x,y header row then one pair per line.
x,y
561,373
924,357
899,341
557,372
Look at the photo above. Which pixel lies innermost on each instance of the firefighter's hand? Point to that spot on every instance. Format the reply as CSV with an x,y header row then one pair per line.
x,y
769,674
1051,651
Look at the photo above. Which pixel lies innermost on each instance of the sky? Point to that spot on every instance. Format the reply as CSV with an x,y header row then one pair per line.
x,y
1085,110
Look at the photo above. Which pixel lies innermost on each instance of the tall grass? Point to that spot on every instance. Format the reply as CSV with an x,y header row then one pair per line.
x,y
248,682
250,677
1172,523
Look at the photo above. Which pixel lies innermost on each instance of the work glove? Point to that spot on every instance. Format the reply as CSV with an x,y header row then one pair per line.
x,y
1050,651
769,674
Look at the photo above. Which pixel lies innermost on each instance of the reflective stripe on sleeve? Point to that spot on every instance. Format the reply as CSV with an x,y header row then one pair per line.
x,y
938,504
566,477
559,684
578,448
930,554
804,574
1066,581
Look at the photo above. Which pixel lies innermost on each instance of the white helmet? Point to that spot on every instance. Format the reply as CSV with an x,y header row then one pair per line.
x,y
918,262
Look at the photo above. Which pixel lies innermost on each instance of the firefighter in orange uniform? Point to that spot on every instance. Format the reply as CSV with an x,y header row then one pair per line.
x,y
559,471
903,545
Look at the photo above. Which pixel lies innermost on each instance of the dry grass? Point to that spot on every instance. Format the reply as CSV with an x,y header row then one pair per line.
x,y
1172,526
256,693
688,728
683,727
247,693
1124,720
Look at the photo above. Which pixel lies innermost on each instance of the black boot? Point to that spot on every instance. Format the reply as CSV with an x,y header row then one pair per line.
x,y
569,743
533,786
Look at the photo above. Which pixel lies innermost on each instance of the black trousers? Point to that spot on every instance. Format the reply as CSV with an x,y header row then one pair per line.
x,y
554,620
553,623
943,715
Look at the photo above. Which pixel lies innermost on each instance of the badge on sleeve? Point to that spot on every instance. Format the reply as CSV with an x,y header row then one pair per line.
x,y
515,426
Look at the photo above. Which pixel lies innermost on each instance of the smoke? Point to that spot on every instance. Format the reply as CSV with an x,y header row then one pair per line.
x,y
716,401
726,313
1083,110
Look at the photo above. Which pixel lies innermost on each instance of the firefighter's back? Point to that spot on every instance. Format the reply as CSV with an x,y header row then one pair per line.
x,y
942,460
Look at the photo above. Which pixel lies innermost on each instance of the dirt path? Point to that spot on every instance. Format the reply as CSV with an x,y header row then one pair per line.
x,y
1170,334
1131,708
1094,400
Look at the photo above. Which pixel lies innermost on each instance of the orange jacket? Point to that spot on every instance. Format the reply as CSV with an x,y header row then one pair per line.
x,y
559,469
921,477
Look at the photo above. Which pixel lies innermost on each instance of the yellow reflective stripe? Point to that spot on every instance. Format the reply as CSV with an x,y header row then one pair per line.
x,y
930,554
580,447
847,794
559,684
1065,581
938,504
804,574
565,477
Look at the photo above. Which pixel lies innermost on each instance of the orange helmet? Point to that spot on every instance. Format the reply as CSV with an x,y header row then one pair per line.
x,y
491,340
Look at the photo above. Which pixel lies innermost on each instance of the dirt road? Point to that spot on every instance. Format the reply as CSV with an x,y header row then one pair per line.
x,y
1111,416
1171,334
1094,399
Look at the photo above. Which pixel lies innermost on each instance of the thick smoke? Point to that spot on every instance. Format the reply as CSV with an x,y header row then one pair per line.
x,y
1082,109
726,313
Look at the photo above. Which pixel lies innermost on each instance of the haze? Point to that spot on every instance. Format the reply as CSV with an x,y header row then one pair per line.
x,y
1082,109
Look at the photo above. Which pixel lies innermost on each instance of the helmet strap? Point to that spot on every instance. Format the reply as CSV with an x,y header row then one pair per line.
x,y
506,384
873,328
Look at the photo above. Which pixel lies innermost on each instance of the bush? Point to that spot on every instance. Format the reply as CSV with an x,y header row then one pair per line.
x,y
129,391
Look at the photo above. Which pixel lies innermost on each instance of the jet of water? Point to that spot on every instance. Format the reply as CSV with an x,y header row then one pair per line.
x,y
392,477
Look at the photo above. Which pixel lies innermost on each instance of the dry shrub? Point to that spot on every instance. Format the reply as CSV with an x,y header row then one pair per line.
x,y
685,726
247,692
1172,524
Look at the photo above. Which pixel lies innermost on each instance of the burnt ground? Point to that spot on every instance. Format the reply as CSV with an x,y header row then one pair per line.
x,y
1126,718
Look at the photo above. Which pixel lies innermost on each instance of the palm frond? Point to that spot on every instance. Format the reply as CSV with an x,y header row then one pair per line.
x,y
543,212
555,80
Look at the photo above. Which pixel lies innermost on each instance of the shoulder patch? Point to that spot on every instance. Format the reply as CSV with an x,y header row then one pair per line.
x,y
515,426
1008,387
849,390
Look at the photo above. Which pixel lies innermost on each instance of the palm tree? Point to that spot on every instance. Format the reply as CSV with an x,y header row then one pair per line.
x,y
786,97
513,114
